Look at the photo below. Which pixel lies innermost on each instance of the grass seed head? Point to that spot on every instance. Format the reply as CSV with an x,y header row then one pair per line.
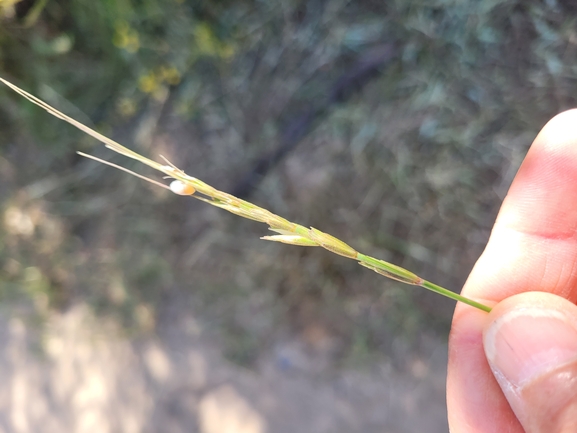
x,y
289,233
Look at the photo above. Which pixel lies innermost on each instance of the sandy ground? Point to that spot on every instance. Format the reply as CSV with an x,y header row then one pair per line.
x,y
84,375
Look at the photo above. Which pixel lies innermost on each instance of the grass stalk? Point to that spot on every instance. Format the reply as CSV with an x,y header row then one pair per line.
x,y
287,232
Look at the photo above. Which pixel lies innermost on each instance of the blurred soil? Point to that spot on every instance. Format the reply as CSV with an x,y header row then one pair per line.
x,y
90,378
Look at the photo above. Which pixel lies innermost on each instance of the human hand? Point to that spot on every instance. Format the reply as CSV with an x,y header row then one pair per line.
x,y
515,370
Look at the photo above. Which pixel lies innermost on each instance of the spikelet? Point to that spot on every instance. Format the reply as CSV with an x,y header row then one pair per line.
x,y
332,244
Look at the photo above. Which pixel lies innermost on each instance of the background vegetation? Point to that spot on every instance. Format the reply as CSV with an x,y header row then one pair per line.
x,y
397,126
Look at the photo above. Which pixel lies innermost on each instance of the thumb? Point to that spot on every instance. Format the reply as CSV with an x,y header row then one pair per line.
x,y
531,344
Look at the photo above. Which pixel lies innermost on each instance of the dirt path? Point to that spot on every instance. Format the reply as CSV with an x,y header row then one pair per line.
x,y
90,378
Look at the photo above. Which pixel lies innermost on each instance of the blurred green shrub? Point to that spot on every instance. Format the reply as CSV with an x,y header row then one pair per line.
x,y
107,56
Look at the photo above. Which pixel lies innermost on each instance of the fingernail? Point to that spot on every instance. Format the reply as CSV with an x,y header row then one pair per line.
x,y
526,343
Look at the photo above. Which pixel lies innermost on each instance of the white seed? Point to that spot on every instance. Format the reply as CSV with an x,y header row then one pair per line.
x,y
181,188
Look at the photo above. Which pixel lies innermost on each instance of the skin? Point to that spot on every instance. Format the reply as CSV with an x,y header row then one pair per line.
x,y
532,248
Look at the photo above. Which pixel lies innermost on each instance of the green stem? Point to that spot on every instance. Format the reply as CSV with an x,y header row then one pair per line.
x,y
442,291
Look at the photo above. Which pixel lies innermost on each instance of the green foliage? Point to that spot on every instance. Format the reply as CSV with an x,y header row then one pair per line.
x,y
128,52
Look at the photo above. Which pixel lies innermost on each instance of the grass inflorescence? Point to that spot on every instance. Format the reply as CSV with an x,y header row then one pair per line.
x,y
286,231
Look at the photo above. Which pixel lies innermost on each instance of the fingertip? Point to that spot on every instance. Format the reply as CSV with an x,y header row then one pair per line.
x,y
533,243
531,305
530,341
541,199
559,131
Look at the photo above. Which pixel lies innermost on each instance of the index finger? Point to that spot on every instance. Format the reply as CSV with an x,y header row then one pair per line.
x,y
533,247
